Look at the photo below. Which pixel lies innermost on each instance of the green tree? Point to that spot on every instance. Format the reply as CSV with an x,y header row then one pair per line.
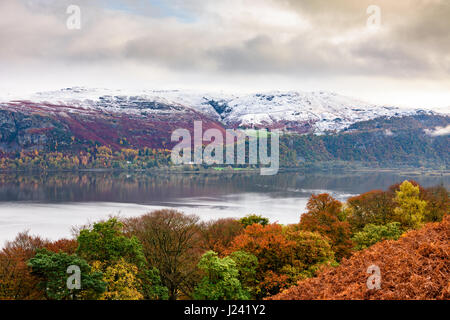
x,y
106,245
253,219
372,234
410,210
152,286
221,280
246,264
51,268
106,242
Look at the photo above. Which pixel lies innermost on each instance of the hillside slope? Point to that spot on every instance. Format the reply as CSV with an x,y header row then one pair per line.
x,y
318,126
417,266
26,125
383,141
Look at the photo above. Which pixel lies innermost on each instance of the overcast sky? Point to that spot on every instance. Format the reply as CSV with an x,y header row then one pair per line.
x,y
232,45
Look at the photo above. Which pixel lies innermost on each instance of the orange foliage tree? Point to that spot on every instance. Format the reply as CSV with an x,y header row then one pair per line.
x,y
273,251
325,216
16,280
283,256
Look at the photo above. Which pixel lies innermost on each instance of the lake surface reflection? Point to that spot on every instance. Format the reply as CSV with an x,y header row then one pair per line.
x,y
49,204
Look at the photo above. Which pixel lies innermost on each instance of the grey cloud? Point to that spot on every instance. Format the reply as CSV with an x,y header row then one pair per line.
x,y
415,41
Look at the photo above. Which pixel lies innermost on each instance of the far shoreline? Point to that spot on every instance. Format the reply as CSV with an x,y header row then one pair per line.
x,y
320,167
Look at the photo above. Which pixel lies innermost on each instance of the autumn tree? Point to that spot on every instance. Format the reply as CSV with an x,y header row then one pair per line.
x,y
217,235
393,189
377,207
16,280
122,280
282,256
325,216
438,203
373,207
68,246
273,252
410,210
171,242
312,251
27,243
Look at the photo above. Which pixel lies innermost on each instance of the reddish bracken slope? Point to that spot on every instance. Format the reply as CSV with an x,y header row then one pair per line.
x,y
26,125
417,266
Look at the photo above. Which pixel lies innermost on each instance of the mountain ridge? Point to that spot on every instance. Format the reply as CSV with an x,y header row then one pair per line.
x,y
297,111
76,120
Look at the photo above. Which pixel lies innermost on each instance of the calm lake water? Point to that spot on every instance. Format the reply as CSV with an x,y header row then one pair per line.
x,y
50,204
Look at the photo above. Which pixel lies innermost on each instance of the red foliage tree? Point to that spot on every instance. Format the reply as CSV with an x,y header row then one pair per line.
x,y
218,235
16,280
63,245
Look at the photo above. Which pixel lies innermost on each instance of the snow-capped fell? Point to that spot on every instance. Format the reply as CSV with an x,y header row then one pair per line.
x,y
315,111
328,111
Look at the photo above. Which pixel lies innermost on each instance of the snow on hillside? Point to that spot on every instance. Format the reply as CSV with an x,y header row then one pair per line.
x,y
323,110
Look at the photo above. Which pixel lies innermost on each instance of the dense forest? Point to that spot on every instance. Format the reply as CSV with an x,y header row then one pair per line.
x,y
379,142
166,254
383,142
